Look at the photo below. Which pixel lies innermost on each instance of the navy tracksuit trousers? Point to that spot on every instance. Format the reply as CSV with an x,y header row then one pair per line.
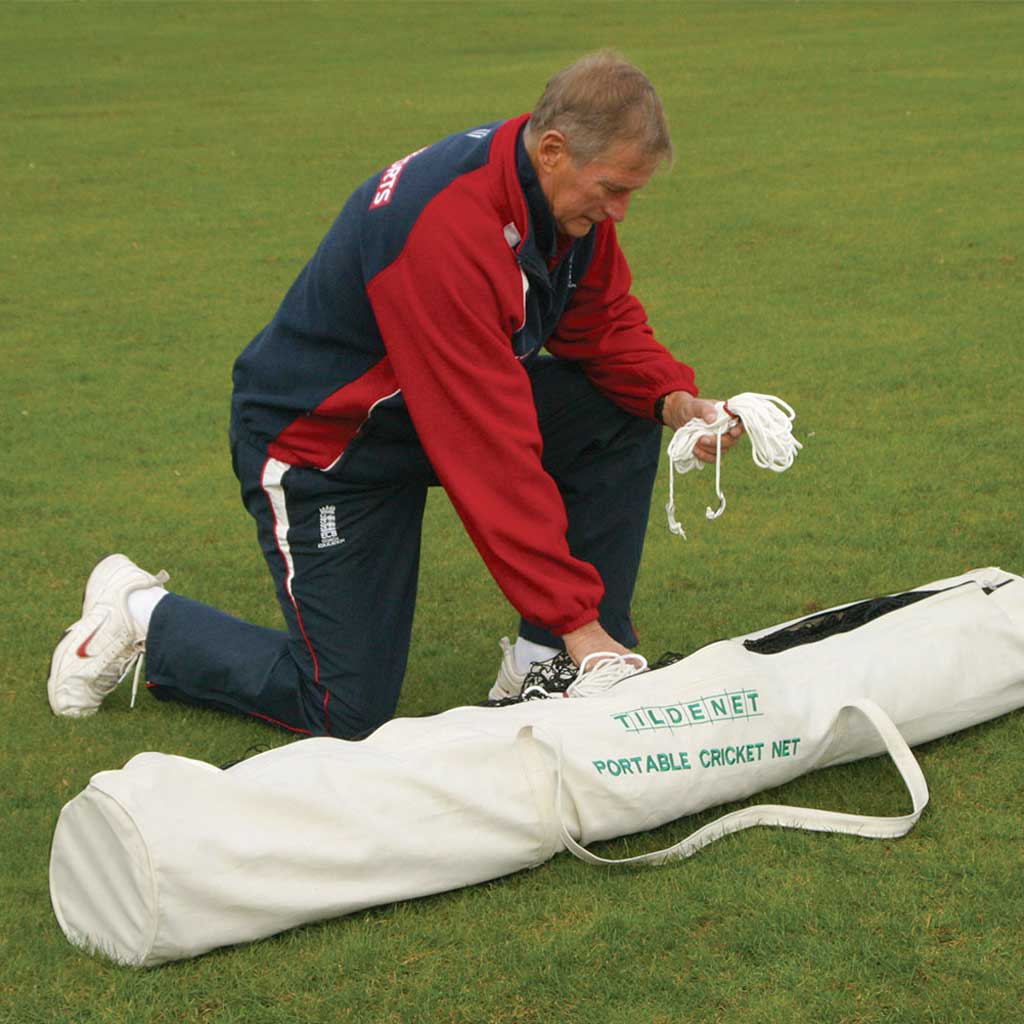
x,y
343,547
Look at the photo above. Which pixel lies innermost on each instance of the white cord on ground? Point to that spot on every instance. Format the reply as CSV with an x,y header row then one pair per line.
x,y
768,421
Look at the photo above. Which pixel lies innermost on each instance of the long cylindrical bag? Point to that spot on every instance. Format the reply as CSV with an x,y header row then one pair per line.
x,y
170,857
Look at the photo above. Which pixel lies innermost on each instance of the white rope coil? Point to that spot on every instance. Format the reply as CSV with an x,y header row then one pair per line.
x,y
600,671
768,421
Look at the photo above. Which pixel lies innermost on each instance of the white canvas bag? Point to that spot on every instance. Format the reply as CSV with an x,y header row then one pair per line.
x,y
170,857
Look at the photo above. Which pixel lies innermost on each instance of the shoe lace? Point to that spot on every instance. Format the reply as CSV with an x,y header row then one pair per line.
x,y
134,660
600,671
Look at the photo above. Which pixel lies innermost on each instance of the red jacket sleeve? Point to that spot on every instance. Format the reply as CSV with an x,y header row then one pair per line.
x,y
605,328
446,308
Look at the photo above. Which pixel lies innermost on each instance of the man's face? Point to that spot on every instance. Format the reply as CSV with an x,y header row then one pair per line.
x,y
581,197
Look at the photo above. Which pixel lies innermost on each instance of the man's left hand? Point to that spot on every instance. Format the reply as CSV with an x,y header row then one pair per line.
x,y
680,407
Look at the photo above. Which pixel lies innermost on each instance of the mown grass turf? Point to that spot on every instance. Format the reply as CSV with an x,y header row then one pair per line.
x,y
842,228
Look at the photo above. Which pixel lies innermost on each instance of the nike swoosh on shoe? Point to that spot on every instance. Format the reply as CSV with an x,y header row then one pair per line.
x,y
81,651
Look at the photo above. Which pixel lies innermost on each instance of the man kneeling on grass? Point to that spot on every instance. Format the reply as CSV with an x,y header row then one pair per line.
x,y
407,355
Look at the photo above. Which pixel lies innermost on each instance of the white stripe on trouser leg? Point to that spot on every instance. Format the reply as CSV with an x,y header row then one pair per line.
x,y
272,482
273,474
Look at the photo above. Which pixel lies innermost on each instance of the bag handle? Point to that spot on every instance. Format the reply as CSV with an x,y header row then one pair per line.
x,y
779,815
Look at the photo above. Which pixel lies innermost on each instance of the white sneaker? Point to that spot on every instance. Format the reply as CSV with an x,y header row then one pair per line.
x,y
542,679
509,682
99,650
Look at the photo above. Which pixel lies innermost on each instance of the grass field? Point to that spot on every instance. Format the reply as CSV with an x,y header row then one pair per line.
x,y
842,228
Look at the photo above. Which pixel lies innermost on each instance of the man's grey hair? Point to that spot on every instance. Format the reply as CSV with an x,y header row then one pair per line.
x,y
597,102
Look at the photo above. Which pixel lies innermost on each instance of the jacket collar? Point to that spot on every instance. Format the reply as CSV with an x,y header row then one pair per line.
x,y
519,195
507,192
542,223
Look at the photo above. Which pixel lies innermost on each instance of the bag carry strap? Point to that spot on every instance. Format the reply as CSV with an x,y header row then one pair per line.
x,y
788,817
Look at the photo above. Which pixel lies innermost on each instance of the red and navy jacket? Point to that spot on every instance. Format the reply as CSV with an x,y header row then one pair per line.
x,y
441,277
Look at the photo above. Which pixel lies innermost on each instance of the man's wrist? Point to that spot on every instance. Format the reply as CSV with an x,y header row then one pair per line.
x,y
659,408
677,407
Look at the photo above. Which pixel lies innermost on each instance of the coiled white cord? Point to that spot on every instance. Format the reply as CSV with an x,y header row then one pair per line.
x,y
600,671
768,421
